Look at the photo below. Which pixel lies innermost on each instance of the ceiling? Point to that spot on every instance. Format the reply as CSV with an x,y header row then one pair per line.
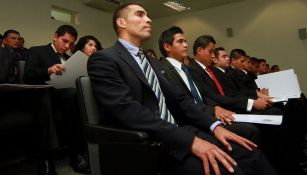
x,y
155,8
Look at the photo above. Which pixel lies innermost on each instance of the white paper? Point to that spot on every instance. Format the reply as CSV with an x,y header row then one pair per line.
x,y
75,67
279,99
261,119
282,84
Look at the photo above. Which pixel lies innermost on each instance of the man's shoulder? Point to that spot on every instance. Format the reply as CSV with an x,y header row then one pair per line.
x,y
40,48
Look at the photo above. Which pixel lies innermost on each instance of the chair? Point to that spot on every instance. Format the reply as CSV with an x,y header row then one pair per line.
x,y
20,70
113,151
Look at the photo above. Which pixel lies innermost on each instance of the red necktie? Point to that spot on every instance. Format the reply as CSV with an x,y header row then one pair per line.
x,y
216,82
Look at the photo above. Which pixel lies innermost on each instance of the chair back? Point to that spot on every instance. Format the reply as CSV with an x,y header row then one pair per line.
x,y
20,70
113,151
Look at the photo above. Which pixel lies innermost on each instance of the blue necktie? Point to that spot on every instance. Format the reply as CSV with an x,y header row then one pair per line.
x,y
193,90
154,84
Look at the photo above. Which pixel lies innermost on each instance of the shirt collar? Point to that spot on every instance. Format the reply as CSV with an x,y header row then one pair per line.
x,y
201,65
223,70
133,49
53,47
175,63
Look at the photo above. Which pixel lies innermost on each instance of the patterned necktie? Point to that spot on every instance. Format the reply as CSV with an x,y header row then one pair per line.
x,y
193,90
216,82
154,84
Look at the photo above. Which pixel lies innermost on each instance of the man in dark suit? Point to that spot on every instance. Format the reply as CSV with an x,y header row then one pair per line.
x,y
134,94
203,50
273,137
11,43
8,67
42,62
176,72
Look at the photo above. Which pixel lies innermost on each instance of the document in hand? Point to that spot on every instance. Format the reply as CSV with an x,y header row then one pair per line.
x,y
283,84
75,67
262,119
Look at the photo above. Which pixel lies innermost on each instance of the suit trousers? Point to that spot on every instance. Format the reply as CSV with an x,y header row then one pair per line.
x,y
68,119
249,162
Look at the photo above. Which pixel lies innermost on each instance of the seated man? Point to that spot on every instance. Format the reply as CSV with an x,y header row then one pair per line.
x,y
134,94
41,63
173,46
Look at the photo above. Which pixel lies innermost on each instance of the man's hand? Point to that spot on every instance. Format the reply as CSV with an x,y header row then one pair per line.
x,y
263,93
262,103
223,135
210,154
224,115
56,69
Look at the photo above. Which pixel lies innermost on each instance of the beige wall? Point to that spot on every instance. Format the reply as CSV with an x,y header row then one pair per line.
x,y
32,19
264,28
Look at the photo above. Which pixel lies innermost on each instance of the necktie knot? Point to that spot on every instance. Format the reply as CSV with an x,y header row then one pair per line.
x,y
184,68
141,54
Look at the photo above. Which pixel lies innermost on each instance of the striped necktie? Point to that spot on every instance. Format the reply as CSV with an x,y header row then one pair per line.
x,y
155,87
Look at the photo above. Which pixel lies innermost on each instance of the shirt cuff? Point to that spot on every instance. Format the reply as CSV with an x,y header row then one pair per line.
x,y
250,103
214,125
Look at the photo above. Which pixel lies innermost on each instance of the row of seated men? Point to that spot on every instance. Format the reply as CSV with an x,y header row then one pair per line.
x,y
221,94
55,112
225,85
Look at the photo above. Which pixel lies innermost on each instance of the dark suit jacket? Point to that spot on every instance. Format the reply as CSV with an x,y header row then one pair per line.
x,y
245,83
173,76
40,59
209,89
7,67
122,90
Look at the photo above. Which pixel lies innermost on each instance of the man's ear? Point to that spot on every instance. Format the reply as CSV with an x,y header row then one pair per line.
x,y
121,22
199,50
214,59
167,47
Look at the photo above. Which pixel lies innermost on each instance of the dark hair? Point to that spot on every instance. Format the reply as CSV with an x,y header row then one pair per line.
x,y
167,36
254,60
6,33
84,40
236,53
67,29
202,41
148,51
216,51
119,12
274,66
261,60
1,37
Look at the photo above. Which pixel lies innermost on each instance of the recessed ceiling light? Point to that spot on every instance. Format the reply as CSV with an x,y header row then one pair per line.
x,y
176,5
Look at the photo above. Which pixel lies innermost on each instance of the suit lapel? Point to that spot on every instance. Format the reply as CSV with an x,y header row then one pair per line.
x,y
173,71
53,55
126,57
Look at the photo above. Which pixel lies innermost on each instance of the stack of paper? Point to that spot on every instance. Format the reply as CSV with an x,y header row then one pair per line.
x,y
75,67
261,119
281,85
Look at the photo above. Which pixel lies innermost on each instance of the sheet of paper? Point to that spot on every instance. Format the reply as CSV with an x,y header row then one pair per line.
x,y
279,99
283,84
262,119
75,67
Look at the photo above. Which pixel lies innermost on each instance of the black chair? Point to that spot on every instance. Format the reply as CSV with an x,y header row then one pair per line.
x,y
113,151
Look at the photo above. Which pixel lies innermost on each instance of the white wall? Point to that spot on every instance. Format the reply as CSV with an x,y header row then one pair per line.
x,y
32,19
264,28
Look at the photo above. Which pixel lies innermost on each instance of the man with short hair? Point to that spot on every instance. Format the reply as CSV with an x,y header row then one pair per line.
x,y
173,46
134,94
42,62
262,66
11,43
